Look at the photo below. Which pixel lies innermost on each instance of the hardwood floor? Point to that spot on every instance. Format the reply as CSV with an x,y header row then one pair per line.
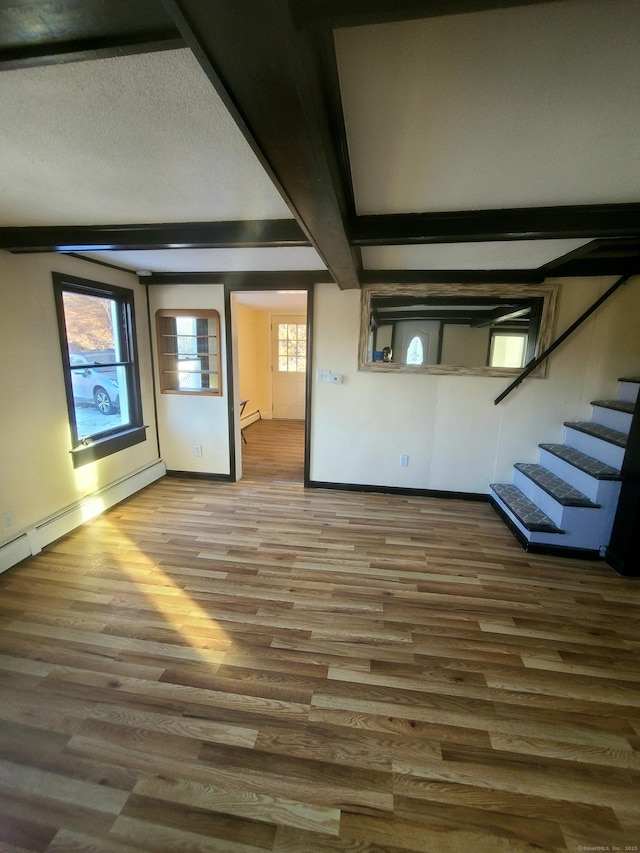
x,y
254,667
274,450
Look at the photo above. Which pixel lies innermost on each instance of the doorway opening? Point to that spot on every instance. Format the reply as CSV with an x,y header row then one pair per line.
x,y
270,378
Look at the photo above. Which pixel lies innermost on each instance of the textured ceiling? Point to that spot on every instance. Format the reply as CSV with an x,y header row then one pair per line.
x,y
529,106
224,260
536,105
137,139
510,254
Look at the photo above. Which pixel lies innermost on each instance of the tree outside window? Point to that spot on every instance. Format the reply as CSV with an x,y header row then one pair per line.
x,y
292,347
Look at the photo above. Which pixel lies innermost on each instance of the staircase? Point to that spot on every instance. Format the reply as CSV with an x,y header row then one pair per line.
x,y
567,502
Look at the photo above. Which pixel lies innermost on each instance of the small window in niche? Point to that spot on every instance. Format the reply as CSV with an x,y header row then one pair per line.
x,y
415,351
189,352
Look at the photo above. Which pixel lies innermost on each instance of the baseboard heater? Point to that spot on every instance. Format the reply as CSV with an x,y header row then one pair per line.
x,y
250,418
27,543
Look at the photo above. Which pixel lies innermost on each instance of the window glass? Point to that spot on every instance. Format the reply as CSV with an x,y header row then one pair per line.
x,y
415,351
94,349
188,351
101,374
508,349
292,347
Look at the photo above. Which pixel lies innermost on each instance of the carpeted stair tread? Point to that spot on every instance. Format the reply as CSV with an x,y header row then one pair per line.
x,y
527,513
594,467
599,431
616,405
553,485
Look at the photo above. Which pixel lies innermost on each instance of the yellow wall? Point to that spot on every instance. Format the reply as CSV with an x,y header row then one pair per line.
x,y
37,478
254,361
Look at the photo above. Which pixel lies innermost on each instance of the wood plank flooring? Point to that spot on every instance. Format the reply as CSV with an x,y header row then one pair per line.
x,y
255,667
274,450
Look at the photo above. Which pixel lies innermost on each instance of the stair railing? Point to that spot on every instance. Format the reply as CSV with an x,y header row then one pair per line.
x,y
535,362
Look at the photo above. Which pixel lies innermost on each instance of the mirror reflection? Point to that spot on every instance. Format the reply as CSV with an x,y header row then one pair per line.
x,y
473,328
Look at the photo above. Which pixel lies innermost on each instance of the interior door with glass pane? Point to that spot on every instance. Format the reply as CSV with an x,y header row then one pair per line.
x,y
417,342
289,367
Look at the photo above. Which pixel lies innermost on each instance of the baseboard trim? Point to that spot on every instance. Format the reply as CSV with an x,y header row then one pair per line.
x,y
398,490
200,475
540,547
14,552
27,543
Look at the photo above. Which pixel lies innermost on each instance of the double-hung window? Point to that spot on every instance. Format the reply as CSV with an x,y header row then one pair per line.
x,y
99,358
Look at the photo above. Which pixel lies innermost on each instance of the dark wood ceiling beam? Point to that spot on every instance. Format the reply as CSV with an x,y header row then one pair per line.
x,y
256,280
268,72
532,223
236,234
47,32
82,51
352,13
498,315
599,257
434,314
586,267
452,277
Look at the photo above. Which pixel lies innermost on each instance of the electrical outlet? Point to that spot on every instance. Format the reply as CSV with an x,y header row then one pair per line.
x,y
336,379
8,521
404,461
197,450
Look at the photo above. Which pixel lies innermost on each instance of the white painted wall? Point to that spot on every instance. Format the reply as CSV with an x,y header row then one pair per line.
x,y
185,420
37,478
454,435
464,345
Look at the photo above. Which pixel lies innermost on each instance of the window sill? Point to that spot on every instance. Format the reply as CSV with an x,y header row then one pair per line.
x,y
98,449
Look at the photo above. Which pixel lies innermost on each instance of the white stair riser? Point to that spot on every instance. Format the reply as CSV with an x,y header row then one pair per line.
x,y
628,391
539,497
608,453
557,512
586,528
620,421
599,491
533,537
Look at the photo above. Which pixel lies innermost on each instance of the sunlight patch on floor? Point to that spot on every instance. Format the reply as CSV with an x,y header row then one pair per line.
x,y
173,604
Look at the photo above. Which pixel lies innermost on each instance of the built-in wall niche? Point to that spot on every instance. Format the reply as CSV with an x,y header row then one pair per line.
x,y
466,329
189,351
